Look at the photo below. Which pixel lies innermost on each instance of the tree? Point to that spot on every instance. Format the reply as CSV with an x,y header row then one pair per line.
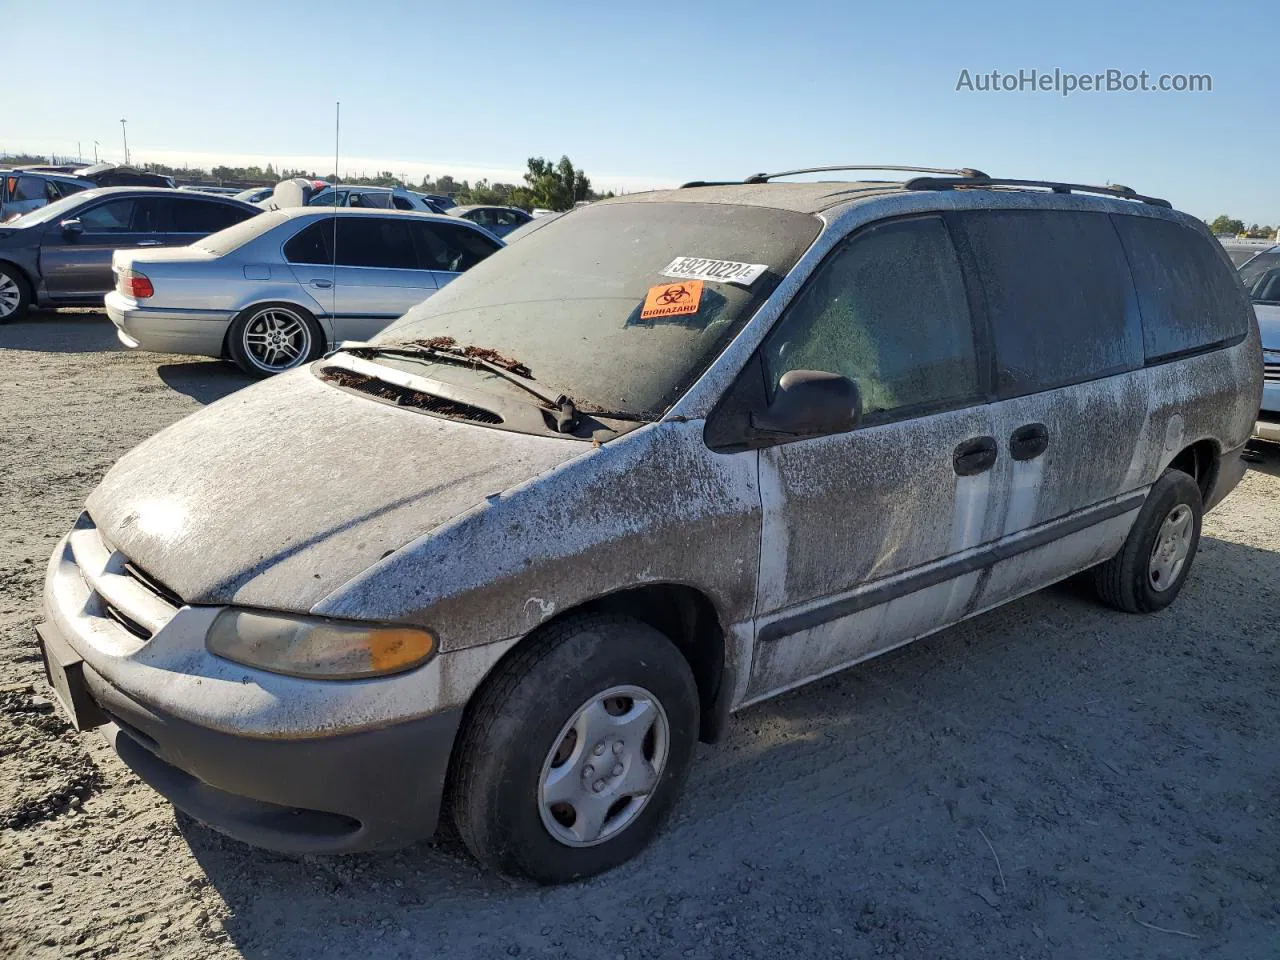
x,y
1225,224
552,186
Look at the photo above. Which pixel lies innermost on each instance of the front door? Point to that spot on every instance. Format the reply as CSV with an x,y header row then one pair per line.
x,y
869,537
76,265
449,250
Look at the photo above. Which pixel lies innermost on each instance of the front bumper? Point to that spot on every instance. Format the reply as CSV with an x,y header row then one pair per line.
x,y
1268,425
299,766
160,330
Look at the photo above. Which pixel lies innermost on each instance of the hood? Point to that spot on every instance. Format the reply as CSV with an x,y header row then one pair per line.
x,y
277,495
1268,324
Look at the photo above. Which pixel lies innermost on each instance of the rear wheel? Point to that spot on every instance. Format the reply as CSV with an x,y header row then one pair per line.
x,y
575,750
1150,569
15,294
274,337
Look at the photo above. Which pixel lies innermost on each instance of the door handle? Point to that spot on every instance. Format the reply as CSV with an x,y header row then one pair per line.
x,y
150,243
973,456
322,284
1029,441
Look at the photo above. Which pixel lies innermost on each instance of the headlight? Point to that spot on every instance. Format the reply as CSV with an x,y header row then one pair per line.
x,y
315,648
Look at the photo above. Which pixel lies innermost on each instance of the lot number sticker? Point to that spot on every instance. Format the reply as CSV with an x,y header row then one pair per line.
x,y
722,271
672,300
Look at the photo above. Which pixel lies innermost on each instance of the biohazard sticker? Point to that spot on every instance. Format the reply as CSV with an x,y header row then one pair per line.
x,y
722,271
672,300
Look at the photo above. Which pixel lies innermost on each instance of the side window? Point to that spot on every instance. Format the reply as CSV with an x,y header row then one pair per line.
x,y
375,242
311,245
887,310
442,246
508,218
1189,298
202,216
29,188
113,217
329,198
1060,300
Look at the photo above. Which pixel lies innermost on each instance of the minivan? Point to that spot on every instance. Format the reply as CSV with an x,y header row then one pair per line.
x,y
668,456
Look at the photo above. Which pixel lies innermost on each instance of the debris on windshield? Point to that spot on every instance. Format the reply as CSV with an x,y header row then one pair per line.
x,y
489,355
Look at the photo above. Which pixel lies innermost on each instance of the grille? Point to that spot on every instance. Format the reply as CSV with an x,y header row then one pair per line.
x,y
122,592
407,397
1271,371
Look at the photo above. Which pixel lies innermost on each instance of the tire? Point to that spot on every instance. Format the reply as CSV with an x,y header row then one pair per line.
x,y
252,346
521,729
15,293
1140,580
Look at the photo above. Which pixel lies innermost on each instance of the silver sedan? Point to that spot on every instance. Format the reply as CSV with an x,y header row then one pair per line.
x,y
275,291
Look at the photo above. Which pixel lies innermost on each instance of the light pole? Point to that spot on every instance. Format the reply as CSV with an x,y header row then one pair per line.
x,y
124,133
95,151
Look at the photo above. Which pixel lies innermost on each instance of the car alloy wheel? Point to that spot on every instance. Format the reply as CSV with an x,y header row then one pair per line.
x,y
10,296
276,339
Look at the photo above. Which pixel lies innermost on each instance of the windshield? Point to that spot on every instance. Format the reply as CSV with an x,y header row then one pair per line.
x,y
224,241
567,301
52,211
1261,277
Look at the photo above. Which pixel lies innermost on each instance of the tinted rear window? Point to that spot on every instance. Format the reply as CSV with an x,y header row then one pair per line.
x,y
1059,297
1190,299
203,216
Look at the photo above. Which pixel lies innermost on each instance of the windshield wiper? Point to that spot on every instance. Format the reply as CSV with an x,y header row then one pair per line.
x,y
444,350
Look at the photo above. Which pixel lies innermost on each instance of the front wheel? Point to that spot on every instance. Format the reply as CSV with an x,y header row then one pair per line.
x,y
15,294
274,337
575,750
1150,569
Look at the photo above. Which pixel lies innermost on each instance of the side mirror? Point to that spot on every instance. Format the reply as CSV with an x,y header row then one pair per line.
x,y
72,228
810,403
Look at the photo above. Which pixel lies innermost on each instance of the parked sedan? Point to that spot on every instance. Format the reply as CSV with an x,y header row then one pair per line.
x,y
497,220
277,291
60,255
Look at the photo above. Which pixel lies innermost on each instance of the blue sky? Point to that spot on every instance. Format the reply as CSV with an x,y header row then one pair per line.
x,y
656,93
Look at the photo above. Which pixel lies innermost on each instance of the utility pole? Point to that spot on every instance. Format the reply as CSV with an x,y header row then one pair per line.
x,y
124,133
95,151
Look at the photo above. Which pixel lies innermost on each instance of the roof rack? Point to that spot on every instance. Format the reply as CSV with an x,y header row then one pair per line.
x,y
950,183
766,177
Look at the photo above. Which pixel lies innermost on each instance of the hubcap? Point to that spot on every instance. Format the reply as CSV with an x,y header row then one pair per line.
x,y
276,339
9,295
604,766
1173,543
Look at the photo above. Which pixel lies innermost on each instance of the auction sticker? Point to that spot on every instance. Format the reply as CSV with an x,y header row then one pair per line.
x,y
722,271
672,300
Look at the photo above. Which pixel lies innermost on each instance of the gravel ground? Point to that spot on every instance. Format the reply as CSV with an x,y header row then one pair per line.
x,y
1050,780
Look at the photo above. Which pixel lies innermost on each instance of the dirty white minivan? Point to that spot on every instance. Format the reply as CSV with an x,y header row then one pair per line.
x,y
668,456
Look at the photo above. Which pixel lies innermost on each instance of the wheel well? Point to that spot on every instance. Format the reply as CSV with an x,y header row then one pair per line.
x,y
1200,462
689,619
17,268
226,336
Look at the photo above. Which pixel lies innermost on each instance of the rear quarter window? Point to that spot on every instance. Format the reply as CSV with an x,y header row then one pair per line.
x,y
1059,299
1190,299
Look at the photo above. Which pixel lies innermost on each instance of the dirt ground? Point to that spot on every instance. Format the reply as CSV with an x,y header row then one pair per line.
x,y
1050,780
